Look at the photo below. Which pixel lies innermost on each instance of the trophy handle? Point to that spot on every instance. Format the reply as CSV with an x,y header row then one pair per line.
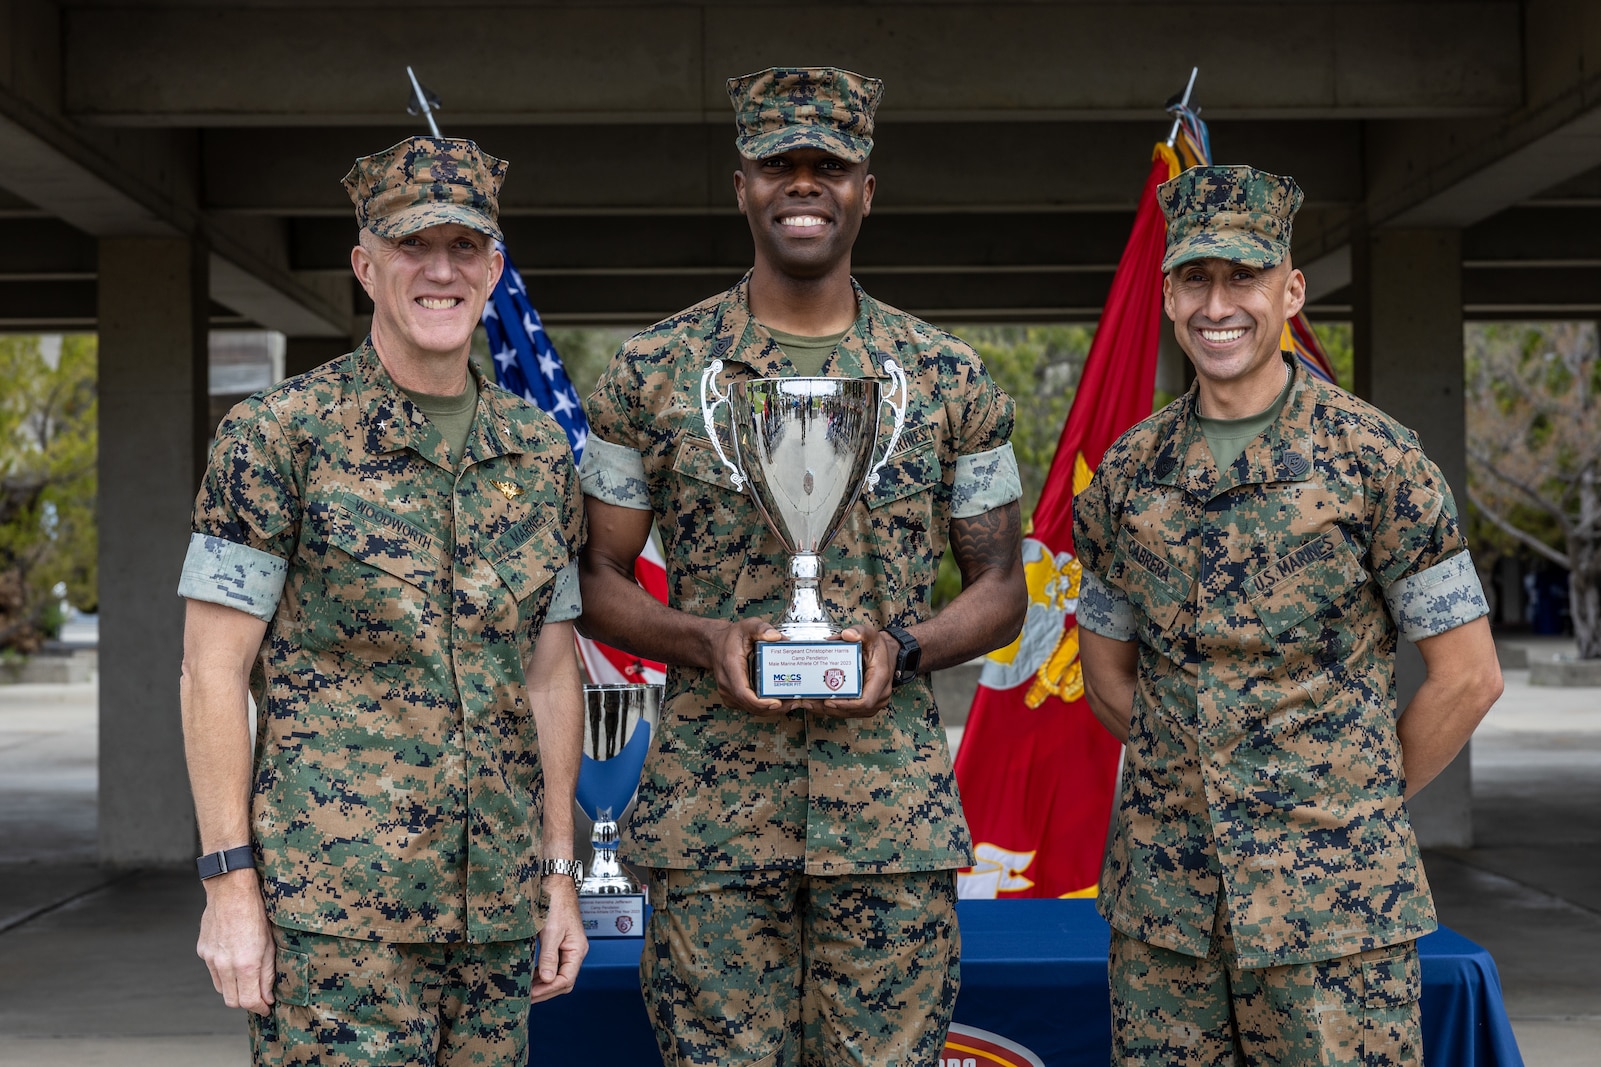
x,y
708,385
898,377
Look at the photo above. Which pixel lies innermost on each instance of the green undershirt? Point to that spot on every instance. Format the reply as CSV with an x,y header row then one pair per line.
x,y
452,416
1227,438
808,354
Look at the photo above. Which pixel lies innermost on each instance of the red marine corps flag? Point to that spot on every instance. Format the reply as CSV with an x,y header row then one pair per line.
x,y
1036,770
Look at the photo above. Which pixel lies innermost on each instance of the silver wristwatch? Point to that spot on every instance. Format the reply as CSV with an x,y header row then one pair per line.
x,y
571,868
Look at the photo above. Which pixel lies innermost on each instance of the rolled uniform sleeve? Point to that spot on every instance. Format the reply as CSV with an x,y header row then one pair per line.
x,y
1102,607
246,517
565,602
614,474
985,481
986,475
1419,554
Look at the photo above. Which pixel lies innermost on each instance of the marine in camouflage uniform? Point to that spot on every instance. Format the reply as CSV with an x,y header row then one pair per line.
x,y
1241,613
399,590
802,854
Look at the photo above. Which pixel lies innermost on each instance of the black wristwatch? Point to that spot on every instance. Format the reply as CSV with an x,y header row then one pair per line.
x,y
229,859
910,655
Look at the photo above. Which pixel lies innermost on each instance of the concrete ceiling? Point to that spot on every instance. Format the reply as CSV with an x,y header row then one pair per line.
x,y
1012,142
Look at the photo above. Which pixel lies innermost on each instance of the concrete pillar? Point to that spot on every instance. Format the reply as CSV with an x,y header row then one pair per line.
x,y
153,309
302,354
1407,334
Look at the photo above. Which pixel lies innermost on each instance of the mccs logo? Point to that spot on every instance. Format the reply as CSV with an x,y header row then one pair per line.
x,y
968,1046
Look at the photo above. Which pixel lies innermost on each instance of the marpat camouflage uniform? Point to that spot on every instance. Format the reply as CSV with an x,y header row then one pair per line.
x,y
397,790
340,1002
1262,781
815,793
427,181
869,802
782,108
1240,214
1359,1010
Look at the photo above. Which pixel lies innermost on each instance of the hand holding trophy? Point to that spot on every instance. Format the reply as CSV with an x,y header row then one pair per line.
x,y
803,449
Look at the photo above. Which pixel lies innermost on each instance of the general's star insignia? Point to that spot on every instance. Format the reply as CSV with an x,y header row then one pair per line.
x,y
511,489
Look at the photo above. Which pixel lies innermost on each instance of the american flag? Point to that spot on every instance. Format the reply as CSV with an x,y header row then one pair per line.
x,y
526,363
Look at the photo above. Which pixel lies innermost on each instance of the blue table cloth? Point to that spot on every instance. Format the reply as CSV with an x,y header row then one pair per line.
x,y
1033,972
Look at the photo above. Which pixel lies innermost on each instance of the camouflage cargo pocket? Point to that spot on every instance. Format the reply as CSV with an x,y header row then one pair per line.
x,y
293,983
1392,983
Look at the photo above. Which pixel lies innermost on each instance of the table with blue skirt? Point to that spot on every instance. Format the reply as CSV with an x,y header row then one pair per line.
x,y
1033,973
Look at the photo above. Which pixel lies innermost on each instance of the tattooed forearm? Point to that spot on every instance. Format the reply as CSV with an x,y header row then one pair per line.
x,y
986,542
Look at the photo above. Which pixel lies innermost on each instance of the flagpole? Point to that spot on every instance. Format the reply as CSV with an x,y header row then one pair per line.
x,y
428,112
1172,135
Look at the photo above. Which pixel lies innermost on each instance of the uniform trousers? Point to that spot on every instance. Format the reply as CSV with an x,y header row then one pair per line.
x,y
342,1002
782,969
1174,1010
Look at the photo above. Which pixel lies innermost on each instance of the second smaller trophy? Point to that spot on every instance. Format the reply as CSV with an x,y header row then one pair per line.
x,y
618,720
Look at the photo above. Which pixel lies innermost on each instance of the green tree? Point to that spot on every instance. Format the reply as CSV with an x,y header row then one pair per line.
x,y
1534,456
1040,367
1335,337
48,484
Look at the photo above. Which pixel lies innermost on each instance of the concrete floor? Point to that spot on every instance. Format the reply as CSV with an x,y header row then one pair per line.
x,y
99,968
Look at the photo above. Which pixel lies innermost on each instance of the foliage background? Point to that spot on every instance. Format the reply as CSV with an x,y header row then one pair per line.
x,y
49,443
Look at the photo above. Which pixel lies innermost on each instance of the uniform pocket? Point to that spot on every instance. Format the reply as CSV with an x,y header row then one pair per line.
x,y
1392,977
912,468
293,982
370,593
1392,983
381,539
1305,581
897,516
1155,587
527,565
697,459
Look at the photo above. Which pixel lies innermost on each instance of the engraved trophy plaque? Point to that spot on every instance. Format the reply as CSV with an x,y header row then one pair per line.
x,y
803,449
618,720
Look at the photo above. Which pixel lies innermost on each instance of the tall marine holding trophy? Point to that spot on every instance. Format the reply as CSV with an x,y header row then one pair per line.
x,y
807,454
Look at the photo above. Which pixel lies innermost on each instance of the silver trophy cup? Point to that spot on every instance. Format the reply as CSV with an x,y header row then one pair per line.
x,y
618,720
803,448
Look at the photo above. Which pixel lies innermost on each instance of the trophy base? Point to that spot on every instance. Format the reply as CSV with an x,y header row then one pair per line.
x,y
612,915
807,670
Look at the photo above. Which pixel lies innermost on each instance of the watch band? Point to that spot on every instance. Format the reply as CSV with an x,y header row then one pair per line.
x,y
571,868
908,658
229,859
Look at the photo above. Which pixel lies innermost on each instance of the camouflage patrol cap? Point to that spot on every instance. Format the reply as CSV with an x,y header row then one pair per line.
x,y
427,181
781,108
1240,214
